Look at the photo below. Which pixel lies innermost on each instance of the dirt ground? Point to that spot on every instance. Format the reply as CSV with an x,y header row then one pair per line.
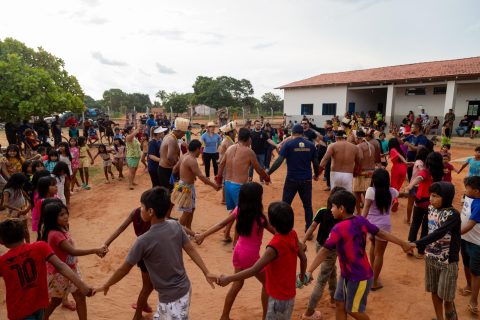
x,y
95,214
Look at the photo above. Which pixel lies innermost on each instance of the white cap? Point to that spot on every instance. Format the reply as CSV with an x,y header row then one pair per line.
x,y
160,130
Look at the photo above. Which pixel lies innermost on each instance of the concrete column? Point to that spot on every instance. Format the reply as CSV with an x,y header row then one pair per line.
x,y
389,108
450,97
342,103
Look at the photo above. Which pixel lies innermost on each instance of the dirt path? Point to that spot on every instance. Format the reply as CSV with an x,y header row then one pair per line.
x,y
98,212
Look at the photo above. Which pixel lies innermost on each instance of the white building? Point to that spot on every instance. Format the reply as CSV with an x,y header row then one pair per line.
x,y
435,86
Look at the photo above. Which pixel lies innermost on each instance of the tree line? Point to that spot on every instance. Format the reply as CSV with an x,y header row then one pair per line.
x,y
34,82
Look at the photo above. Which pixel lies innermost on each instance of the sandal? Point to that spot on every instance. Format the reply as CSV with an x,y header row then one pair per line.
x,y
146,309
473,309
317,315
464,292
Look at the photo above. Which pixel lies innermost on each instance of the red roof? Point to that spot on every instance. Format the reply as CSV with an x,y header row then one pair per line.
x,y
458,68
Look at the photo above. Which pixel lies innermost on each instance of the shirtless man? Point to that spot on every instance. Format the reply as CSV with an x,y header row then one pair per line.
x,y
229,140
363,172
236,163
170,152
189,170
342,153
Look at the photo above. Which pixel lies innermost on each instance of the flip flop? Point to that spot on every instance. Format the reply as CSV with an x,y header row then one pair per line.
x,y
464,292
146,309
376,288
317,315
70,306
472,309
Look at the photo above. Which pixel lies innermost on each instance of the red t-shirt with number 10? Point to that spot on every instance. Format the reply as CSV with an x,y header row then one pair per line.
x,y
24,270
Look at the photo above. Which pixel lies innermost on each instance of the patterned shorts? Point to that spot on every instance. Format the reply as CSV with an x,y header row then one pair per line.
x,y
279,309
176,310
58,285
353,293
441,278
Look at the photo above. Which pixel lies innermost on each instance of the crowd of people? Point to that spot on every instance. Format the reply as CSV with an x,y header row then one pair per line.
x,y
366,174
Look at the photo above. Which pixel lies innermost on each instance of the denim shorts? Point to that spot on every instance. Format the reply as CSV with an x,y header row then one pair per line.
x,y
471,257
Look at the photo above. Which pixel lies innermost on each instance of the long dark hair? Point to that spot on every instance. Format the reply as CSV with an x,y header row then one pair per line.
x,y
381,182
120,141
394,144
422,153
434,164
67,149
250,208
51,209
13,147
44,184
16,181
61,168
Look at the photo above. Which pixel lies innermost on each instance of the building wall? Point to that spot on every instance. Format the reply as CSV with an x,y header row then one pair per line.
x,y
294,98
367,99
465,93
433,104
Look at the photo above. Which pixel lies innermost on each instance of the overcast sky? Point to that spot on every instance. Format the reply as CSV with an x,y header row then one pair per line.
x,y
144,46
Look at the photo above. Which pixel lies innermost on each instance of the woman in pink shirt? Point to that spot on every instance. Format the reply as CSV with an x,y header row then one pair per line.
x,y
248,239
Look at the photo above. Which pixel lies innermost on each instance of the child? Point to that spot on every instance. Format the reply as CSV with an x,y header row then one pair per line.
x,y
73,131
52,160
28,172
328,268
418,166
250,224
140,227
279,262
447,168
119,156
84,151
60,173
27,296
384,148
104,153
46,188
348,237
14,159
471,241
37,165
474,163
160,248
54,231
92,135
378,205
442,249
15,199
118,134
75,162
65,156
445,150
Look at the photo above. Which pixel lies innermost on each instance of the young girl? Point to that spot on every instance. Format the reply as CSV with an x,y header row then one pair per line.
x,y
378,204
250,224
46,187
85,162
119,156
52,160
37,165
104,153
442,249
55,233
60,173
14,159
15,199
28,172
433,172
75,162
399,164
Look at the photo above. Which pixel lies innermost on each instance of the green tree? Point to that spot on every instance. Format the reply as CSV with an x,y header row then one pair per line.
x,y
271,100
114,98
92,103
178,102
140,101
162,95
34,82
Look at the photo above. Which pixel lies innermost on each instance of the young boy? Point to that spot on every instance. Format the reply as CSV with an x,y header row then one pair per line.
x,y
349,237
471,241
447,168
328,268
24,270
160,248
280,263
442,249
474,163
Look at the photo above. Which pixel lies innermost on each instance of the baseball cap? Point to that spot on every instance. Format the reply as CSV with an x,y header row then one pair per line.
x,y
298,129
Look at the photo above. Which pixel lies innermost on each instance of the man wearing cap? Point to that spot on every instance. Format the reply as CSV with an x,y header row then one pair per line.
x,y
363,172
236,162
260,140
153,154
170,152
300,154
210,141
342,153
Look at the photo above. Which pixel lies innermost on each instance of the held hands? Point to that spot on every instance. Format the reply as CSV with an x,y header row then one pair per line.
x,y
223,280
199,237
103,288
211,279
408,246
102,251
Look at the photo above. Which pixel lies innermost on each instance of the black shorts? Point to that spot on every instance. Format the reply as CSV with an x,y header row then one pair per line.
x,y
142,266
164,175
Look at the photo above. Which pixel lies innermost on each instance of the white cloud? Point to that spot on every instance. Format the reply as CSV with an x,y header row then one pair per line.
x,y
109,62
264,45
164,69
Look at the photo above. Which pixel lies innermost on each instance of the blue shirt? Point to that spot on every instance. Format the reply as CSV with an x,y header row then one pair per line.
x,y
211,143
474,167
299,153
118,136
421,140
153,149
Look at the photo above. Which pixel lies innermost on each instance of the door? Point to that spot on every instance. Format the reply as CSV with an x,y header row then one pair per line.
x,y
351,107
473,110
